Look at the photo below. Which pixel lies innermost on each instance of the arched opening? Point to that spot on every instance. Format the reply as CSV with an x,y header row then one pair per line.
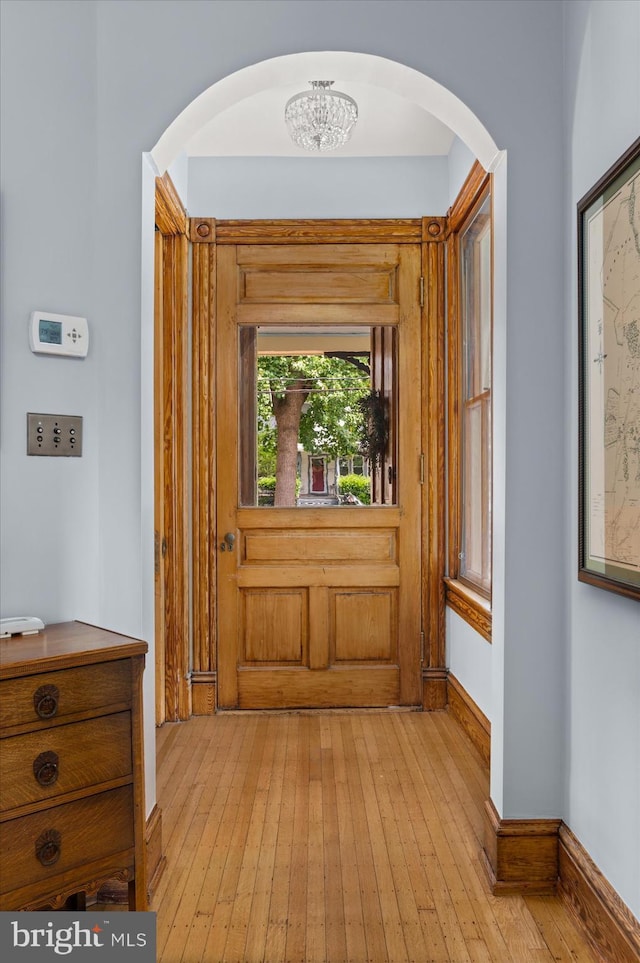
x,y
404,82
213,110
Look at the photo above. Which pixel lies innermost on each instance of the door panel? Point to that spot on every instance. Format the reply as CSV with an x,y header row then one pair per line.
x,y
320,606
364,625
274,626
336,545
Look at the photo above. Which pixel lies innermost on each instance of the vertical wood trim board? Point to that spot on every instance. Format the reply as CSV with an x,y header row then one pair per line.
x,y
171,419
156,860
175,422
159,485
204,557
434,675
611,927
470,716
521,855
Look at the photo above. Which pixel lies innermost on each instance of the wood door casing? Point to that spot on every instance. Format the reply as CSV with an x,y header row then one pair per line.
x,y
319,606
171,496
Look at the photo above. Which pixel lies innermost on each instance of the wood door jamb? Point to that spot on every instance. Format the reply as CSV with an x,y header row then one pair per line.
x,y
206,234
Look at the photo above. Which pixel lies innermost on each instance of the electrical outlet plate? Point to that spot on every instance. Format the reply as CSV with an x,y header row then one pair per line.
x,y
57,435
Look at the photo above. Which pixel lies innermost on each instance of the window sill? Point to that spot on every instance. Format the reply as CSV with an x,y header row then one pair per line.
x,y
470,606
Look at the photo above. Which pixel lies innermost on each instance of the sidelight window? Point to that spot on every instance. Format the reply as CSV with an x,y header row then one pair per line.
x,y
475,428
470,346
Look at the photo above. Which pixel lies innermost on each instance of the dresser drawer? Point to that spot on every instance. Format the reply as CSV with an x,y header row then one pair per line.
x,y
44,764
50,696
49,843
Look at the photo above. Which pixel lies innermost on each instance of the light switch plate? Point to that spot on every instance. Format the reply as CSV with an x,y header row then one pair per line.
x,y
57,435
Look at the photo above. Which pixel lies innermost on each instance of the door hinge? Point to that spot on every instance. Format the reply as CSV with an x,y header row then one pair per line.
x,y
421,292
422,647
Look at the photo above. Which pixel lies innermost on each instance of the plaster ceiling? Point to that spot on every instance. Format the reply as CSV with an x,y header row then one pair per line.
x,y
402,112
388,125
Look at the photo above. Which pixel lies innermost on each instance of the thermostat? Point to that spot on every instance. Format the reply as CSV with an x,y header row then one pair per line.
x,y
60,334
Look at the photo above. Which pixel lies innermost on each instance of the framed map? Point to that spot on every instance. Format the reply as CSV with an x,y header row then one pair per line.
x,y
609,379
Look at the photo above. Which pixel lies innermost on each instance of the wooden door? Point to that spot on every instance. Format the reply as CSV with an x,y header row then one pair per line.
x,y
319,606
318,475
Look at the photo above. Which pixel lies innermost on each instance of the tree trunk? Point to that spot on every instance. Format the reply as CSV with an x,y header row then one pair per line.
x,y
287,411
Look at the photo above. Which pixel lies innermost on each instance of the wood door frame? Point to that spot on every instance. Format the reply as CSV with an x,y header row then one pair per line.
x,y
434,491
171,495
205,234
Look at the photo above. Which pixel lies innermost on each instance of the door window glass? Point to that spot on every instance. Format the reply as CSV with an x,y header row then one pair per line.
x,y
317,416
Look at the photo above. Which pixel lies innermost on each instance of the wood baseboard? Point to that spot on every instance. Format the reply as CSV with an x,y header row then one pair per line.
x,y
434,689
520,855
156,860
470,716
611,927
203,693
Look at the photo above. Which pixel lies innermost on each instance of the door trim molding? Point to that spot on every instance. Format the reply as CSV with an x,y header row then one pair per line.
x,y
203,558
171,378
329,231
434,494
206,234
171,217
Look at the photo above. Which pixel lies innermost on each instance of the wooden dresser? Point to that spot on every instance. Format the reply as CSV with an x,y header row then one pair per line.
x,y
71,766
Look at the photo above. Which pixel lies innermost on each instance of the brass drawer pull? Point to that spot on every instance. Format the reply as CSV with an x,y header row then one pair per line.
x,y
45,768
48,846
45,701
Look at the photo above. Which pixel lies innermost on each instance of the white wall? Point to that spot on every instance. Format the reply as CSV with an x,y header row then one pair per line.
x,y
603,706
179,174
50,506
460,163
115,77
469,659
272,187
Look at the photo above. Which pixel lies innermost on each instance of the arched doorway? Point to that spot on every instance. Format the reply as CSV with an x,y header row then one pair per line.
x,y
402,81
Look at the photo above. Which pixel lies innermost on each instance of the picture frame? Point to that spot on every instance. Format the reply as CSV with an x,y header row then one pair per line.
x,y
609,379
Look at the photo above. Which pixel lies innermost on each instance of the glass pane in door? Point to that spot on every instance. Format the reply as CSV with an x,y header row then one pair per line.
x,y
317,416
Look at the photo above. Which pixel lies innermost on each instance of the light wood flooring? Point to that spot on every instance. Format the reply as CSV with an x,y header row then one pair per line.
x,y
334,837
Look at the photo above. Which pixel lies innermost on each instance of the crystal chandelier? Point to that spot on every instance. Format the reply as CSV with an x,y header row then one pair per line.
x,y
321,119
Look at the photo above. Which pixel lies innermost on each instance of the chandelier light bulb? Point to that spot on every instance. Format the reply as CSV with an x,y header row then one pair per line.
x,y
320,119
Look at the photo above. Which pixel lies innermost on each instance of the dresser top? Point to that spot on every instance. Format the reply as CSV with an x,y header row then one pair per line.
x,y
63,645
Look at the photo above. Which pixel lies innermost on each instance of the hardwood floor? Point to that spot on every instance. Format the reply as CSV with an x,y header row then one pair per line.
x,y
335,836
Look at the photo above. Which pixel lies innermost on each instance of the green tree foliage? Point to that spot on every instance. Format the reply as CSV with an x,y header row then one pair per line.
x,y
331,421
